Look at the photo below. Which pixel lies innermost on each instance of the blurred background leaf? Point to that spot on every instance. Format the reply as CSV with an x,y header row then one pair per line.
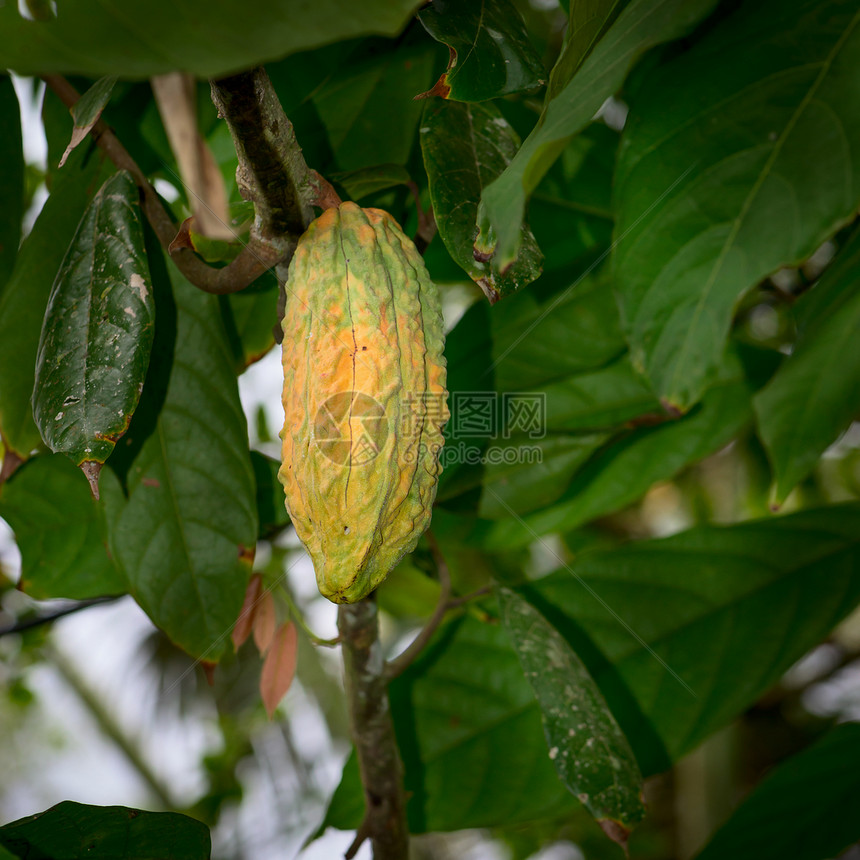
x,y
93,39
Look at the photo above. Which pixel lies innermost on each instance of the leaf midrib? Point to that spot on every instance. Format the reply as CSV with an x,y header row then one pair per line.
x,y
681,357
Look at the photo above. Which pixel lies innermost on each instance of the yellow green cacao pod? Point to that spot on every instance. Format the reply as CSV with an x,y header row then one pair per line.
x,y
364,397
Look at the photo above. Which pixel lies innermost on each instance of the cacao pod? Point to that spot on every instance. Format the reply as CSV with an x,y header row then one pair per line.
x,y
364,397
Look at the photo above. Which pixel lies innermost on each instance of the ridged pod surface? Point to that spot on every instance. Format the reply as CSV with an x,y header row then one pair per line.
x,y
364,397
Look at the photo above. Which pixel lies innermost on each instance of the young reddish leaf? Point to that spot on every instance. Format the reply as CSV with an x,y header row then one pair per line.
x,y
265,622
248,613
209,671
279,666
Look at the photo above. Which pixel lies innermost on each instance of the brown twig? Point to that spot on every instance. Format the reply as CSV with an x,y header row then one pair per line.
x,y
373,733
403,660
50,617
468,598
254,259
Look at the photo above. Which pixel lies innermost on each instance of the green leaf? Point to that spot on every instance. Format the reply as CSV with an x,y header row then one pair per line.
x,y
523,475
754,169
191,507
539,339
370,180
570,211
805,809
23,300
815,394
491,54
60,531
469,732
75,831
562,386
97,38
271,510
250,317
642,25
367,104
87,110
683,634
622,472
408,592
587,22
97,334
590,752
726,609
465,147
600,399
12,187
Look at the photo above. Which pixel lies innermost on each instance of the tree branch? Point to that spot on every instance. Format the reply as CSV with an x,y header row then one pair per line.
x,y
272,172
254,259
373,733
400,663
50,617
110,726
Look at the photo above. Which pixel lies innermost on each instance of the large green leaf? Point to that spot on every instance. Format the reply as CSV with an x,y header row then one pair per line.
x,y
600,399
465,147
60,531
590,752
563,387
75,831
97,334
805,809
570,212
816,393
95,38
682,634
538,339
469,731
271,511
642,25
191,507
23,300
250,317
622,472
491,54
367,104
12,187
370,180
587,22
739,156
523,475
